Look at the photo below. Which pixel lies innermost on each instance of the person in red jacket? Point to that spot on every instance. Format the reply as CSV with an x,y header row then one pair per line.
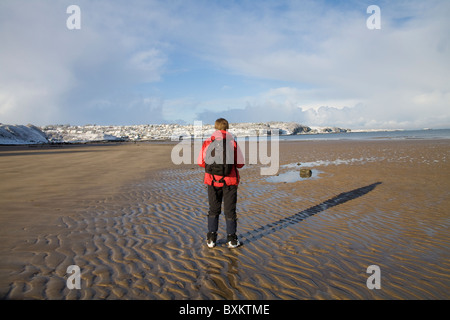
x,y
222,188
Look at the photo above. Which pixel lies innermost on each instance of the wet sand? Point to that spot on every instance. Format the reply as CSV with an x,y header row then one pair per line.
x,y
135,224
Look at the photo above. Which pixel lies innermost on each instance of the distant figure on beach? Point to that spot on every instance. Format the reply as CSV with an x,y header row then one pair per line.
x,y
221,158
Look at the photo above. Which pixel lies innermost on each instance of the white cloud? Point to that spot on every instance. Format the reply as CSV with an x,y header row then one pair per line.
x,y
318,61
52,74
149,63
400,74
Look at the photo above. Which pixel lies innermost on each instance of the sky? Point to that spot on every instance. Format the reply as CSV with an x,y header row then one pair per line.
x,y
146,62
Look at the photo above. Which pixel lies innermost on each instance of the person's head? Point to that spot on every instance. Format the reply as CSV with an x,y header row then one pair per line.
x,y
221,124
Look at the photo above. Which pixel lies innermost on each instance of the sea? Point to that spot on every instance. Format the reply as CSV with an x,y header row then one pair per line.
x,y
375,135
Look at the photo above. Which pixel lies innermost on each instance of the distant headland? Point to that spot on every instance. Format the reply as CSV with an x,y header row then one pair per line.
x,y
31,134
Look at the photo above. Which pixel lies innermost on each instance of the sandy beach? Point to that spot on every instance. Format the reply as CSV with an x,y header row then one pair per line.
x,y
135,223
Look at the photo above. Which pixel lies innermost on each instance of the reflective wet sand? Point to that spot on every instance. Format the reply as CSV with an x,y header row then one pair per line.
x,y
135,224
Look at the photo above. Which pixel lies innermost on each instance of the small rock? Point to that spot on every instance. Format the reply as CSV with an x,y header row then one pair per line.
x,y
305,173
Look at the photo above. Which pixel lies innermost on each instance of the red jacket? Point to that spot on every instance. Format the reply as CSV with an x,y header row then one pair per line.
x,y
233,178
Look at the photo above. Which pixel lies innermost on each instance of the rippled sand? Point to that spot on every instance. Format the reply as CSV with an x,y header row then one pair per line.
x,y
137,229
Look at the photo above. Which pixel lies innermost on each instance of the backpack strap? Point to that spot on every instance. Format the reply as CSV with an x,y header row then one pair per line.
x,y
219,181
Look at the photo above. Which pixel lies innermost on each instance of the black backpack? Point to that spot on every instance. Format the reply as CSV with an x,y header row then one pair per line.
x,y
219,158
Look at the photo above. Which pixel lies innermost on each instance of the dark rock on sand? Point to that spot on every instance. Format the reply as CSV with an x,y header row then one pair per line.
x,y
305,173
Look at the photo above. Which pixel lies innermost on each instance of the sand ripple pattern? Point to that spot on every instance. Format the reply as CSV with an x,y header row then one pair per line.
x,y
308,240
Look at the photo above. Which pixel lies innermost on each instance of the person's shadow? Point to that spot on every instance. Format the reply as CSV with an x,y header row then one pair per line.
x,y
272,227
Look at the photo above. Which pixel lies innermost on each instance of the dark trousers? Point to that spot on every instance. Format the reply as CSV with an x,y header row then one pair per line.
x,y
227,194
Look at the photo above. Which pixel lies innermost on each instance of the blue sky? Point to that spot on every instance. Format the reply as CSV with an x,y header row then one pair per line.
x,y
144,61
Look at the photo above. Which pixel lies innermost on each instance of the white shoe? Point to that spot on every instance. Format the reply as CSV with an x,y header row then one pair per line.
x,y
211,239
232,241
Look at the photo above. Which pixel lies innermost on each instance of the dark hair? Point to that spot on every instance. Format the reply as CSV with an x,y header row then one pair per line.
x,y
221,124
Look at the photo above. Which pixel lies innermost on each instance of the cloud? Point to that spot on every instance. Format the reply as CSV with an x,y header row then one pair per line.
x,y
310,61
149,63
52,74
349,75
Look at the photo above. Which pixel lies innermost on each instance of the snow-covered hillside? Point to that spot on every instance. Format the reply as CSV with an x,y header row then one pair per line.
x,y
19,134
